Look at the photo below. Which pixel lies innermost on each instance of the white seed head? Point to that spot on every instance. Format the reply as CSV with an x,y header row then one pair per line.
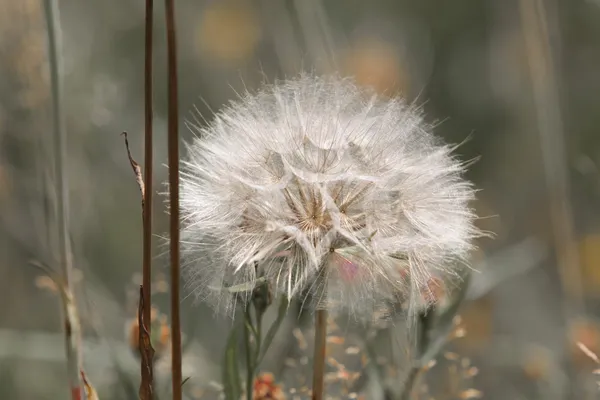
x,y
318,178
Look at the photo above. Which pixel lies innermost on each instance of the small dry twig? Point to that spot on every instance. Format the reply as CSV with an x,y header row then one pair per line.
x,y
137,170
537,32
145,305
173,161
72,334
146,188
71,318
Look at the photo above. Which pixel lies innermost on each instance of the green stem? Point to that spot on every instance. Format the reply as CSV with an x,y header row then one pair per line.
x,y
250,359
272,331
258,333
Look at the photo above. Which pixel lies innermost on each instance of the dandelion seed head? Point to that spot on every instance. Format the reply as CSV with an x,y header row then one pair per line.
x,y
317,177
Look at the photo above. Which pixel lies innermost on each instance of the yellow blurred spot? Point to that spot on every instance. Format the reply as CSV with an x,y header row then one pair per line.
x,y
471,372
229,31
451,356
477,321
197,393
44,282
429,365
77,275
161,286
470,394
536,365
300,339
587,333
377,64
589,251
136,278
335,340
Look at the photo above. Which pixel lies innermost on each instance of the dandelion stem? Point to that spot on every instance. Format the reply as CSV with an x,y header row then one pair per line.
x,y
173,150
319,355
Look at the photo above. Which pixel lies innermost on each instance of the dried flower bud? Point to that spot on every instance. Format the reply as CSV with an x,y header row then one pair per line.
x,y
265,388
316,177
160,333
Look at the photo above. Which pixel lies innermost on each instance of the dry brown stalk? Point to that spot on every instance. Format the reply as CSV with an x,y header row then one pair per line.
x,y
173,161
145,306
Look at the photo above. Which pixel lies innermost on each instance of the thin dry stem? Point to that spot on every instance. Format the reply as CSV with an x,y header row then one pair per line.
x,y
146,291
71,318
319,355
144,305
550,125
173,150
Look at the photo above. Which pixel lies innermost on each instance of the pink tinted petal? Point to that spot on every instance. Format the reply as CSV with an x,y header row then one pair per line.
x,y
347,270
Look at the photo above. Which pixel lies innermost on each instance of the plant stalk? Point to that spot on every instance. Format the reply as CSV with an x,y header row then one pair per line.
x,y
145,326
250,360
71,317
173,161
411,383
537,34
319,355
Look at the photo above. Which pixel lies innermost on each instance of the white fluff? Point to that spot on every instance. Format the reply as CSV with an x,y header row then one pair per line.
x,y
318,176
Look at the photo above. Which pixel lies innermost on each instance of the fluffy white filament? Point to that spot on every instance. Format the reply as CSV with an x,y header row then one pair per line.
x,y
316,177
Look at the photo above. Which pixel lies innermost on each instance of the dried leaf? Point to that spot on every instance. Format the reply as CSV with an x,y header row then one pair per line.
x,y
90,392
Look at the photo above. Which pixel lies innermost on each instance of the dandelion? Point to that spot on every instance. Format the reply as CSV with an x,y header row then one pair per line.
x,y
318,186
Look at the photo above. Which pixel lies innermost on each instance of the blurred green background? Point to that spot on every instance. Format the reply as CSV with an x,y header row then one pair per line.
x,y
516,80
